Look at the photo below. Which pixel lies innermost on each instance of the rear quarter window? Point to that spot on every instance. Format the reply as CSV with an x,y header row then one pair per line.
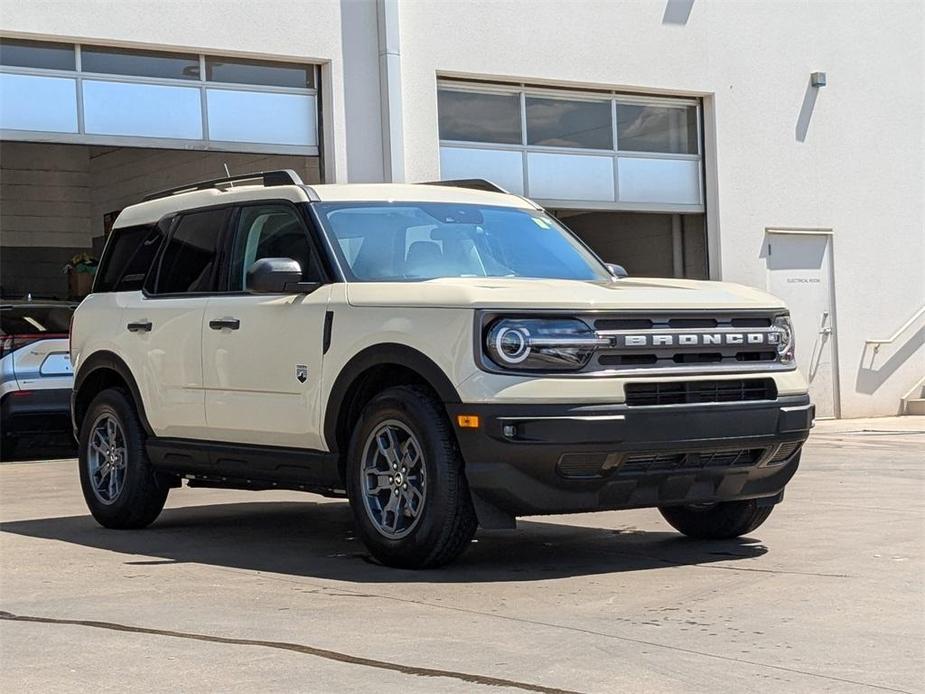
x,y
128,258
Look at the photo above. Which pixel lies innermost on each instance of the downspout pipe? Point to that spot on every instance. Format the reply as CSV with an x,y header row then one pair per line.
x,y
393,145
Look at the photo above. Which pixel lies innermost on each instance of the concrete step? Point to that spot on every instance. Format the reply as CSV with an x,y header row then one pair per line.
x,y
915,406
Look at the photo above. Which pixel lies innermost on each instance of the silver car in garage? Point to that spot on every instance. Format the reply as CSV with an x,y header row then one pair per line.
x,y
35,370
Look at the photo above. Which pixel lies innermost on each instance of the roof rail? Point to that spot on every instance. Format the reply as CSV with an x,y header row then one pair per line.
x,y
482,184
282,177
474,183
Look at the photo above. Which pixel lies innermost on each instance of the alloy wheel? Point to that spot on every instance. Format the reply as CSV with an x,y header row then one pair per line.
x,y
106,458
394,479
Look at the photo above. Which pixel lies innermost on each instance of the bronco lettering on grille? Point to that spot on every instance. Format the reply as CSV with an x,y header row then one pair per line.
x,y
689,339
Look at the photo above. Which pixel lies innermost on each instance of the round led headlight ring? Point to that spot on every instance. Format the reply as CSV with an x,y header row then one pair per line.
x,y
786,341
512,344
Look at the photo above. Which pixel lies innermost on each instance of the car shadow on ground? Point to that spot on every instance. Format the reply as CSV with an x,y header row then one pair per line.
x,y
318,540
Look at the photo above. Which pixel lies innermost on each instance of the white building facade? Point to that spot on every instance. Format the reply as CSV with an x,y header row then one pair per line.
x,y
776,144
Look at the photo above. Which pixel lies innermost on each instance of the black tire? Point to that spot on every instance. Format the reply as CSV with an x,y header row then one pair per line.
x,y
721,521
447,519
142,495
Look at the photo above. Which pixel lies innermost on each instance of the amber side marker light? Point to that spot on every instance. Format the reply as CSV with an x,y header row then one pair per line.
x,y
468,421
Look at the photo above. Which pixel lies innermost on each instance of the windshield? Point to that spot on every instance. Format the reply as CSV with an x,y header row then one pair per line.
x,y
406,241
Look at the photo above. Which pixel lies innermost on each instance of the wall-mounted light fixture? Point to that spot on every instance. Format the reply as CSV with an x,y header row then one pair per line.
x,y
817,79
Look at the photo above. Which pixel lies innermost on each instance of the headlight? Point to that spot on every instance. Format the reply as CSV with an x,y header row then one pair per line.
x,y
541,344
786,343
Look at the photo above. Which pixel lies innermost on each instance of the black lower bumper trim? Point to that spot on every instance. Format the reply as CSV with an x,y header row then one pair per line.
x,y
541,459
25,412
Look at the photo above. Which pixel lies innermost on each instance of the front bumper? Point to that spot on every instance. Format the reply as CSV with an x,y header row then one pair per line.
x,y
541,459
25,412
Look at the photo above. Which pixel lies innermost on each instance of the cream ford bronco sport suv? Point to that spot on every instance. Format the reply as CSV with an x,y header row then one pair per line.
x,y
444,356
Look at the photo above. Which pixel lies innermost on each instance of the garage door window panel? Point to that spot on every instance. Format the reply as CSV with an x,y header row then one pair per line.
x,y
617,149
261,117
260,72
479,117
159,97
157,64
648,128
659,180
142,110
190,259
37,54
34,103
569,123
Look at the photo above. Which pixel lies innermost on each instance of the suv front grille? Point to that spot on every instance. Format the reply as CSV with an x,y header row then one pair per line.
x,y
693,392
672,340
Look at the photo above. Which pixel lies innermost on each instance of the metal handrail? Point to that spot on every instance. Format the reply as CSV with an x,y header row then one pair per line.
x,y
892,338
916,388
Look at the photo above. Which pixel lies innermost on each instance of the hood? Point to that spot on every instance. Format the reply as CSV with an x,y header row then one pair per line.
x,y
507,293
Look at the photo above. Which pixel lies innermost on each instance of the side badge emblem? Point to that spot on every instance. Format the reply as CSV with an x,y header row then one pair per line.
x,y
301,372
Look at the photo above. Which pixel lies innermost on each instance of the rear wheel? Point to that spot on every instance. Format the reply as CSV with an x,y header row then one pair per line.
x,y
406,483
119,485
720,521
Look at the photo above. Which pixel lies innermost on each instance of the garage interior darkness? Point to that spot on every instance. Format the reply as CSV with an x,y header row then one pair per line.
x,y
56,200
646,244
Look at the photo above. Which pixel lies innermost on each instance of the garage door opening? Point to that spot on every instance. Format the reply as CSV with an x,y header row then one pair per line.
x,y
646,244
58,201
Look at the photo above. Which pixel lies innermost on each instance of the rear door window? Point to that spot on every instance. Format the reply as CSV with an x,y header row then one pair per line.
x,y
191,257
128,257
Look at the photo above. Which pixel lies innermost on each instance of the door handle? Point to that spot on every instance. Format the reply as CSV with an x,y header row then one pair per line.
x,y
143,326
230,323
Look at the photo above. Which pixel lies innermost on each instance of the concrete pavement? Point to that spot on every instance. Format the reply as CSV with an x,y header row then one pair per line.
x,y
271,591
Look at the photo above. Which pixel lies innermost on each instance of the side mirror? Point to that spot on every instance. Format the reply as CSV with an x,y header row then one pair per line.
x,y
618,271
277,276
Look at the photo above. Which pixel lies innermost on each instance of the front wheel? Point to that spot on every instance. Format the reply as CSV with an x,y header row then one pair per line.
x,y
406,483
119,485
720,521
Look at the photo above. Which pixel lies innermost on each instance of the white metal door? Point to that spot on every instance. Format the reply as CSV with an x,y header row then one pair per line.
x,y
800,272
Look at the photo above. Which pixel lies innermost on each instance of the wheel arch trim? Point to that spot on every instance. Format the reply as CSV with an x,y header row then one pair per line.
x,y
378,355
108,361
